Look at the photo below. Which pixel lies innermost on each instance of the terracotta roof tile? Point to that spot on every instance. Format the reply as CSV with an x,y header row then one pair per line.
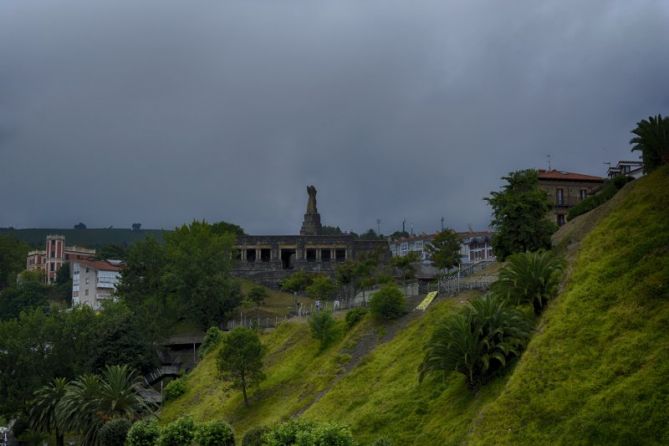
x,y
566,176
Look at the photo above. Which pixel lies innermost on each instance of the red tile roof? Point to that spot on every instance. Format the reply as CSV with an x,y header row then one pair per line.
x,y
559,175
100,265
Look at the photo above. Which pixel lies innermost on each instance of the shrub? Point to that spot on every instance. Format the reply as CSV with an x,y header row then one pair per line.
x,y
531,277
114,432
605,194
382,442
354,316
254,437
143,433
323,328
178,433
388,303
478,341
174,389
214,433
306,433
211,340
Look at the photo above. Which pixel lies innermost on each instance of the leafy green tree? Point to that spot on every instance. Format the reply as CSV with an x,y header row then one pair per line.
x,y
143,433
44,412
388,303
346,277
178,433
223,227
297,282
174,389
406,265
477,342
531,277
114,432
12,259
444,250
257,294
651,138
520,215
240,359
112,251
331,230
198,276
214,433
323,328
211,339
322,287
354,316
25,296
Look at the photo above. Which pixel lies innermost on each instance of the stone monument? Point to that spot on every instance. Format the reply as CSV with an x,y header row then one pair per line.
x,y
312,219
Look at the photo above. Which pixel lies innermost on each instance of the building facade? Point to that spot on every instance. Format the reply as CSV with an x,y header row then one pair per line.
x,y
94,281
565,190
55,254
632,169
270,258
474,246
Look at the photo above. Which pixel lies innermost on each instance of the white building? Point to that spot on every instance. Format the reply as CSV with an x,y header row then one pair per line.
x,y
94,281
632,169
474,246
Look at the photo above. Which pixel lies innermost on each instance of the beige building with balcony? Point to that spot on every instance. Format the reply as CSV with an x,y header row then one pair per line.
x,y
566,189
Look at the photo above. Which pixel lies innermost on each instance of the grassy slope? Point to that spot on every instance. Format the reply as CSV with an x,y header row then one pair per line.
x,y
597,371
298,375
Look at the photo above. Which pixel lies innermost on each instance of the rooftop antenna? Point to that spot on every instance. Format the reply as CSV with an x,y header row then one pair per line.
x,y
549,161
404,222
442,224
378,226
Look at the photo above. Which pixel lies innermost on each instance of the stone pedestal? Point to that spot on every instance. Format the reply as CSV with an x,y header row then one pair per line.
x,y
311,224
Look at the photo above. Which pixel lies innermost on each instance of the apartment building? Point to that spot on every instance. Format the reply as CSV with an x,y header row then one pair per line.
x,y
566,189
94,281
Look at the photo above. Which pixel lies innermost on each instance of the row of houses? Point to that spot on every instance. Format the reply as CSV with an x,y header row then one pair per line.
x,y
474,246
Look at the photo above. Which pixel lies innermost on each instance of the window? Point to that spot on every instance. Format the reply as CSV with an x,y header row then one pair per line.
x,y
559,197
86,292
265,255
52,267
250,255
340,255
311,255
560,219
583,193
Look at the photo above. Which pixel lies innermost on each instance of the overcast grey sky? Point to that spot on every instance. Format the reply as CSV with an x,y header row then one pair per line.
x,y
160,112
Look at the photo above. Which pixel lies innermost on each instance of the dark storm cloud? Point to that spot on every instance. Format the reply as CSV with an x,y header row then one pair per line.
x,y
164,111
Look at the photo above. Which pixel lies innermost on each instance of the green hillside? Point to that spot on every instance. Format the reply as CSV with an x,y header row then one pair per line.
x,y
594,373
90,238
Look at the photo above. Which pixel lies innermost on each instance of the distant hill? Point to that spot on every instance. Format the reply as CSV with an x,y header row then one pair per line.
x,y
90,238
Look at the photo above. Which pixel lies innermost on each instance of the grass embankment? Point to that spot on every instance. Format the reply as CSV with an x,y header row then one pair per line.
x,y
277,302
596,373
378,397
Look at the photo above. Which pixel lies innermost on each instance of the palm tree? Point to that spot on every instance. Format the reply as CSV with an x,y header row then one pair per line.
x,y
45,414
530,277
477,342
93,400
652,140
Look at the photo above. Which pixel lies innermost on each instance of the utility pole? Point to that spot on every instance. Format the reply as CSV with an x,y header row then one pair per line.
x,y
404,222
442,224
549,161
378,226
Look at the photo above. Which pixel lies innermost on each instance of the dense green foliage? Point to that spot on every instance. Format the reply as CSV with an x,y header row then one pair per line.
x,y
12,259
114,432
530,278
322,287
607,192
211,339
305,433
354,316
174,389
178,433
445,249
240,359
297,282
323,328
257,294
388,303
405,264
519,215
143,433
37,347
652,140
185,279
214,433
254,436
